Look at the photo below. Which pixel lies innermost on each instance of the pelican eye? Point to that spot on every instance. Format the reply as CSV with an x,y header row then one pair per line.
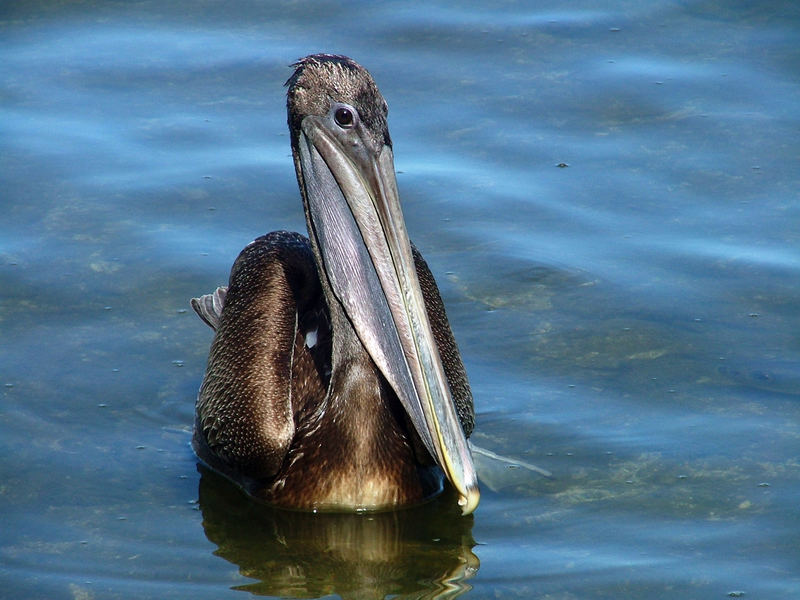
x,y
344,117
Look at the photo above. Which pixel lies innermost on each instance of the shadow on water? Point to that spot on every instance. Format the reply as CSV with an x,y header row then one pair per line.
x,y
421,552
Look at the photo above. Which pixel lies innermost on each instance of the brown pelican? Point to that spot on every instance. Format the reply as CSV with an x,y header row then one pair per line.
x,y
334,381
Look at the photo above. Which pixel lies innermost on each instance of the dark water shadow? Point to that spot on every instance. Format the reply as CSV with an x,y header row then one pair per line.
x,y
421,552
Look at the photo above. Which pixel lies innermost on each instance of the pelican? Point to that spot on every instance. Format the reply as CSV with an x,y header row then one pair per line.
x,y
334,382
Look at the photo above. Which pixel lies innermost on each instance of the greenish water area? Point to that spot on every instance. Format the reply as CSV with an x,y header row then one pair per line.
x,y
608,194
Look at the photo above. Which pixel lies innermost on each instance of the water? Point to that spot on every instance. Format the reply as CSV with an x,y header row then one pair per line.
x,y
629,320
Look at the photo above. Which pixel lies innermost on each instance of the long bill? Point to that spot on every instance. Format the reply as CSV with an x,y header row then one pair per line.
x,y
354,210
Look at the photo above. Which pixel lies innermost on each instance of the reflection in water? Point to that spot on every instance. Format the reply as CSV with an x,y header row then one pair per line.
x,y
422,552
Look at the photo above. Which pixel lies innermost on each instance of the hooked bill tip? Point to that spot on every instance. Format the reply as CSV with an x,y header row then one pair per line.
x,y
469,502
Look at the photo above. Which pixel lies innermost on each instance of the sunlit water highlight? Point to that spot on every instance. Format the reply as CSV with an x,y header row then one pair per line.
x,y
608,195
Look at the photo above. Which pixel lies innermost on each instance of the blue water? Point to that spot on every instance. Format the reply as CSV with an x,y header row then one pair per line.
x,y
607,194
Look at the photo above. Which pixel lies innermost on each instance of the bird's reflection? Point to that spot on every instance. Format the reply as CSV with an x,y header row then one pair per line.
x,y
421,552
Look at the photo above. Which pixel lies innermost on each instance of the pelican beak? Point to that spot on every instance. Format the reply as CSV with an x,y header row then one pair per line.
x,y
354,212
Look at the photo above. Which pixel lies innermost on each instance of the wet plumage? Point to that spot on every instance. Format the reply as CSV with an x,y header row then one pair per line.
x,y
334,381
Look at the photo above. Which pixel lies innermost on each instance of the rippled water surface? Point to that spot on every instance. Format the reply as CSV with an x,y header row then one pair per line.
x,y
608,195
